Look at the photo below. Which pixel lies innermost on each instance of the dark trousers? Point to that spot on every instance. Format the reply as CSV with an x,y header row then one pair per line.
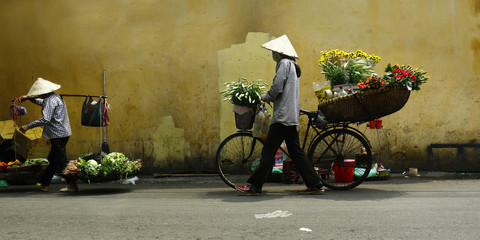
x,y
58,160
276,135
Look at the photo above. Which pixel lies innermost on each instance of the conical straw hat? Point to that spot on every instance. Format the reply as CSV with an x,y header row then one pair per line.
x,y
42,86
281,45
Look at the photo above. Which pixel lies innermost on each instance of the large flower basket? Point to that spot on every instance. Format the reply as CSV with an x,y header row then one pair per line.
x,y
365,106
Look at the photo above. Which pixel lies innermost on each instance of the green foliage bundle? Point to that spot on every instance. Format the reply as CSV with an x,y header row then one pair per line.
x,y
244,93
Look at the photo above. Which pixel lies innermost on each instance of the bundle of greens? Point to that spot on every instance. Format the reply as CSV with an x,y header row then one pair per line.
x,y
36,161
244,93
113,166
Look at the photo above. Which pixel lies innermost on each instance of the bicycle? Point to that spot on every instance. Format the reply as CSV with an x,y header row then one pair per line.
x,y
341,154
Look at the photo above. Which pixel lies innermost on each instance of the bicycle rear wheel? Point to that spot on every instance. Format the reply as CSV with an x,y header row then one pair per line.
x,y
336,155
237,157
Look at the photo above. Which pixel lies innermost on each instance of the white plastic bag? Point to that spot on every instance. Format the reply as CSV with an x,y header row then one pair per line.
x,y
258,124
266,124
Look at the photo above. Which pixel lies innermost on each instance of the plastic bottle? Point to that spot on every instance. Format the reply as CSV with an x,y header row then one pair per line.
x,y
258,123
266,123
380,166
342,92
328,94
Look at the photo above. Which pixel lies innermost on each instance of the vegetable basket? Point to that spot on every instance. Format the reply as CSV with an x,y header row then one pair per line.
x,y
31,168
22,173
114,166
100,179
3,168
365,106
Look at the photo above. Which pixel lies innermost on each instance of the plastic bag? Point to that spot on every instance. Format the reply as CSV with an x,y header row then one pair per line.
x,y
321,121
255,164
258,123
322,91
94,114
360,171
266,124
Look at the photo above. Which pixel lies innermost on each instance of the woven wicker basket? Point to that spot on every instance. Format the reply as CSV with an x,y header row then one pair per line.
x,y
101,179
31,168
365,106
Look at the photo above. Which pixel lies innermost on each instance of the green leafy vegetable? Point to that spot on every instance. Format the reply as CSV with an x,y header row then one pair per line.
x,y
114,165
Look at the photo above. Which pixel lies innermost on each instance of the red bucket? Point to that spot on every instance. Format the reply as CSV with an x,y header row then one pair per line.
x,y
344,173
376,124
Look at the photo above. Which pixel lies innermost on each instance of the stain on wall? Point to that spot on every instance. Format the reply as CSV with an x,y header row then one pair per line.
x,y
170,147
475,45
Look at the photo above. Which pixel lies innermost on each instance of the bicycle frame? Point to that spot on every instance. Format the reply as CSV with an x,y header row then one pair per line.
x,y
312,119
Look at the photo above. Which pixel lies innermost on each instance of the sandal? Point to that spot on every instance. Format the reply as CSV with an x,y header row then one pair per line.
x,y
71,188
42,187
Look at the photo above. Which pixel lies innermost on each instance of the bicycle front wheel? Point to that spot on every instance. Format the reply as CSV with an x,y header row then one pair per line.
x,y
237,156
338,158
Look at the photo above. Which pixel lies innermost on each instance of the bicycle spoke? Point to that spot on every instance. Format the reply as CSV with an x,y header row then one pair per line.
x,y
333,153
235,157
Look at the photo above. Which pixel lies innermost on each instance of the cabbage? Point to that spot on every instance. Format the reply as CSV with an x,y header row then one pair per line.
x,y
92,162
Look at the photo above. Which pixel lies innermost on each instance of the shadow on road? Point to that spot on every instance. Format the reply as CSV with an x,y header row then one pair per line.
x,y
85,190
98,191
279,192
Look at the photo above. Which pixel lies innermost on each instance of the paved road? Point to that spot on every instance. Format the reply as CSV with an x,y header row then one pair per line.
x,y
204,208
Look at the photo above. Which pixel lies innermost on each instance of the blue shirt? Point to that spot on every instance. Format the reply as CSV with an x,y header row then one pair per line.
x,y
54,118
285,94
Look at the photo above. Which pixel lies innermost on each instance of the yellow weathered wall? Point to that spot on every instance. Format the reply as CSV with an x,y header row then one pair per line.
x,y
166,61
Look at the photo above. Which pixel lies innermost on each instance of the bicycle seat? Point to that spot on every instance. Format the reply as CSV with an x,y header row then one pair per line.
x,y
310,114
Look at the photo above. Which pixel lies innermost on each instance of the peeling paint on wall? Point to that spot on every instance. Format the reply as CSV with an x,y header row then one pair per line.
x,y
246,60
476,55
170,147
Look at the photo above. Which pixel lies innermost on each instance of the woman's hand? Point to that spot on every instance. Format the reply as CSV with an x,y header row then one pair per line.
x,y
23,98
264,97
24,128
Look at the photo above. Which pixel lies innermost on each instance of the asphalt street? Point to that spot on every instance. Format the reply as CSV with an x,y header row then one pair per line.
x,y
205,208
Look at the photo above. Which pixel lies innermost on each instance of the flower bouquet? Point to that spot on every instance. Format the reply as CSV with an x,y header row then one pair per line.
x,y
245,97
244,93
405,76
342,67
372,83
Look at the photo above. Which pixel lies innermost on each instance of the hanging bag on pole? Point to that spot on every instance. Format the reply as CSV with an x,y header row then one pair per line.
x,y
94,114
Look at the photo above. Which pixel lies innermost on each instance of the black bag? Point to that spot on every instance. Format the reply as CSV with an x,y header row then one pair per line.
x,y
94,114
